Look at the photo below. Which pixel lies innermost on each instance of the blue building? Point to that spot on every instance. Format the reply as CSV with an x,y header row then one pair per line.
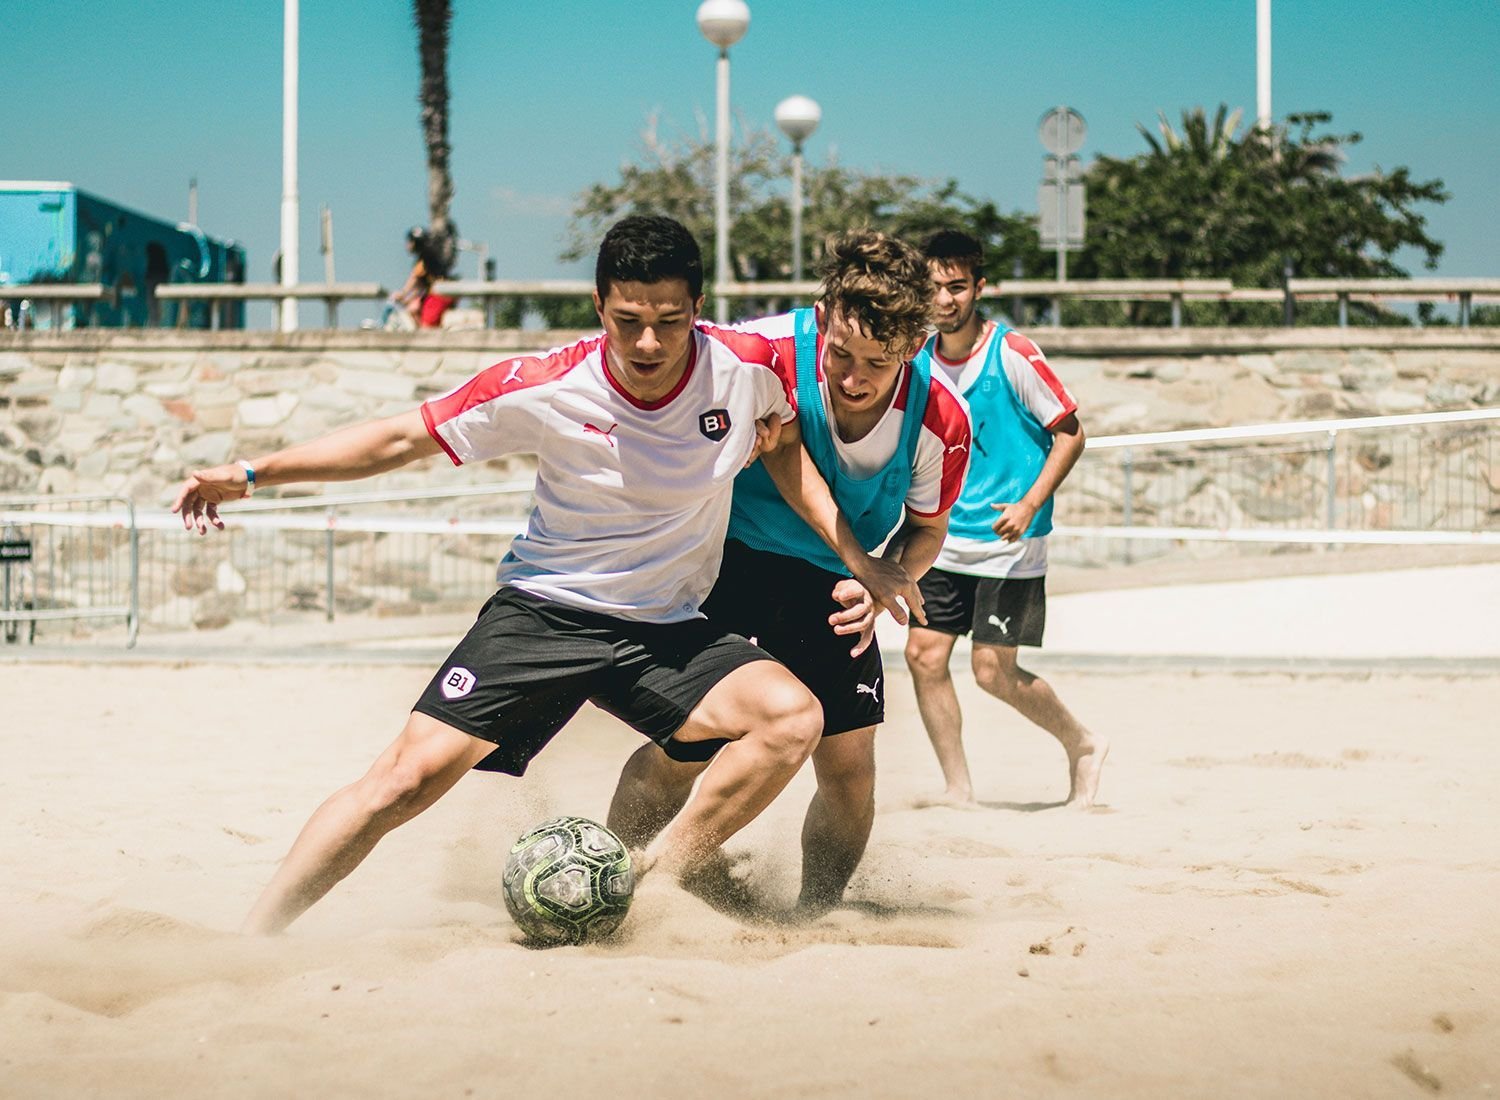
x,y
55,233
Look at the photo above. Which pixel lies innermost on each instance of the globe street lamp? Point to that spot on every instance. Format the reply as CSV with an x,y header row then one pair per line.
x,y
798,117
723,22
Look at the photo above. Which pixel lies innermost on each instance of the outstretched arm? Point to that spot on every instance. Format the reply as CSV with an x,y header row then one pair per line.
x,y
796,476
1016,516
362,450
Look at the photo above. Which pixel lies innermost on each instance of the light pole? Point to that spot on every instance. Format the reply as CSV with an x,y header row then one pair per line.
x,y
798,117
723,22
1263,64
289,211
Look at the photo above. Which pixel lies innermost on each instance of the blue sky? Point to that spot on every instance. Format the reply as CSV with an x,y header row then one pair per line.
x,y
131,99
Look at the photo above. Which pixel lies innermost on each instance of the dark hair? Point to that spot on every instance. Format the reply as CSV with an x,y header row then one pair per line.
x,y
952,246
879,283
648,248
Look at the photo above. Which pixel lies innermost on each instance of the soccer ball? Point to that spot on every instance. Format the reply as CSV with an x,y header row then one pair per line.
x,y
567,880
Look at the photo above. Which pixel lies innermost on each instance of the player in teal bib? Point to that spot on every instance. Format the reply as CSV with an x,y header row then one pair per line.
x,y
891,441
990,578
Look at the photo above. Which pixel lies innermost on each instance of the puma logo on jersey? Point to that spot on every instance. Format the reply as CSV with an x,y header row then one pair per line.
x,y
512,374
605,432
958,447
872,690
1004,626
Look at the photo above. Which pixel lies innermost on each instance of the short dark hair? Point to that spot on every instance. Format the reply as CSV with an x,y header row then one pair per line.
x,y
648,248
953,246
879,283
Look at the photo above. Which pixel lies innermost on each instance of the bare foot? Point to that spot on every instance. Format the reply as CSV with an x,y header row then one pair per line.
x,y
1084,767
950,799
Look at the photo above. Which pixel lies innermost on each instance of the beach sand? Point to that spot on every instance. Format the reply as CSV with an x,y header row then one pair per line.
x,y
1289,889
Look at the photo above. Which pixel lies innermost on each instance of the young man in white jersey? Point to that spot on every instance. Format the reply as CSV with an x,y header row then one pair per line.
x,y
991,575
639,434
892,440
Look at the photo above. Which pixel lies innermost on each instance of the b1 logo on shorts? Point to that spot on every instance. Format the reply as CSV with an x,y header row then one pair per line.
x,y
714,424
457,682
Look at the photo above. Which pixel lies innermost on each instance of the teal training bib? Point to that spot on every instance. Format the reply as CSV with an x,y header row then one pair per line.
x,y
874,505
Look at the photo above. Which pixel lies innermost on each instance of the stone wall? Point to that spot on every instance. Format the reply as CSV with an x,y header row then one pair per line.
x,y
130,412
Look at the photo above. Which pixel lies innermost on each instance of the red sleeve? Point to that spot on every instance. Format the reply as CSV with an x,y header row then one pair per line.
x,y
779,355
947,419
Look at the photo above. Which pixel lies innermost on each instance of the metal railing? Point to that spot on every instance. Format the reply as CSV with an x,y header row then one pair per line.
x,y
330,294
1425,478
1422,479
68,558
1463,292
58,297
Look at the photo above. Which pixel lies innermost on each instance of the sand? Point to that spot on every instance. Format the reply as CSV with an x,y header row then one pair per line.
x,y
1289,888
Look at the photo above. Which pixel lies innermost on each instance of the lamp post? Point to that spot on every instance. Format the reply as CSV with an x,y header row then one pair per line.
x,y
289,204
798,117
723,22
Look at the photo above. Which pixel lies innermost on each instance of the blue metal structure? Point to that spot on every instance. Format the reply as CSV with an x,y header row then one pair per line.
x,y
55,233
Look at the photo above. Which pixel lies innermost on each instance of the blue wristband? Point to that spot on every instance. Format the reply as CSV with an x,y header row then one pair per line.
x,y
249,477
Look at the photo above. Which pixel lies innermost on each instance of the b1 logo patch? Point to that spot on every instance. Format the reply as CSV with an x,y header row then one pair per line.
x,y
714,424
457,682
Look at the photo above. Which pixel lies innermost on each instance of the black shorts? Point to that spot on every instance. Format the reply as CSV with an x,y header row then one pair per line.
x,y
782,604
528,664
1004,611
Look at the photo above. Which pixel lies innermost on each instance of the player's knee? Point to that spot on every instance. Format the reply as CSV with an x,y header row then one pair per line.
x,y
792,720
392,790
1001,682
848,786
926,662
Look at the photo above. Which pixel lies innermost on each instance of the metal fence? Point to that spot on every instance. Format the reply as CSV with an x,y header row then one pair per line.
x,y
67,560
96,568
1425,478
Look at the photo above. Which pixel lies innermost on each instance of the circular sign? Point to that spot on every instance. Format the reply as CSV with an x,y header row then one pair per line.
x,y
1062,131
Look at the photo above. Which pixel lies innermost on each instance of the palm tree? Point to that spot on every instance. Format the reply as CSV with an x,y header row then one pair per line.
x,y
433,19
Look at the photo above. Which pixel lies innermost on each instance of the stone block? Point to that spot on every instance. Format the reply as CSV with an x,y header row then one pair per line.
x,y
267,383
148,410
215,419
93,465
329,398
1393,402
386,385
208,449
75,377
265,412
116,378
12,364
102,406
167,390
1449,395
67,401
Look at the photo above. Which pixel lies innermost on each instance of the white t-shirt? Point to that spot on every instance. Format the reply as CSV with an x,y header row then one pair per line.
x,y
942,446
1047,399
632,499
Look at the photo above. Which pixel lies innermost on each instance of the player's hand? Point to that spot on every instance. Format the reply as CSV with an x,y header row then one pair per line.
x,y
857,617
201,494
891,587
1014,519
767,437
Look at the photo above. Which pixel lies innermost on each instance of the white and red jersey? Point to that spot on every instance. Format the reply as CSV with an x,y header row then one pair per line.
x,y
942,448
632,498
1034,381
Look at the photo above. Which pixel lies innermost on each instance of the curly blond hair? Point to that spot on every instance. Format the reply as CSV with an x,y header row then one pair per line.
x,y
879,283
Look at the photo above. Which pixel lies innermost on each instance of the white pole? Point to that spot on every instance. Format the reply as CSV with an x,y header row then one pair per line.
x,y
1263,64
721,189
289,244
797,212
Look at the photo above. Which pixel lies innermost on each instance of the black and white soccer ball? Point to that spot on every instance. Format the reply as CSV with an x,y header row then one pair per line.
x,y
568,880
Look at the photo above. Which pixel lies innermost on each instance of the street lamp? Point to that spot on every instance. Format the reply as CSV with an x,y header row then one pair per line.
x,y
723,22
798,117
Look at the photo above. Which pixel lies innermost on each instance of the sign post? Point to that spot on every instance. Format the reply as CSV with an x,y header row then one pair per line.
x,y
1060,199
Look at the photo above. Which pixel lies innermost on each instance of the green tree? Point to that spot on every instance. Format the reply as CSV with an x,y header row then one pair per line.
x,y
676,177
434,19
1211,202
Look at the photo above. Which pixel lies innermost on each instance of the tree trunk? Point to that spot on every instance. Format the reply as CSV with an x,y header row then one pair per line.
x,y
433,19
